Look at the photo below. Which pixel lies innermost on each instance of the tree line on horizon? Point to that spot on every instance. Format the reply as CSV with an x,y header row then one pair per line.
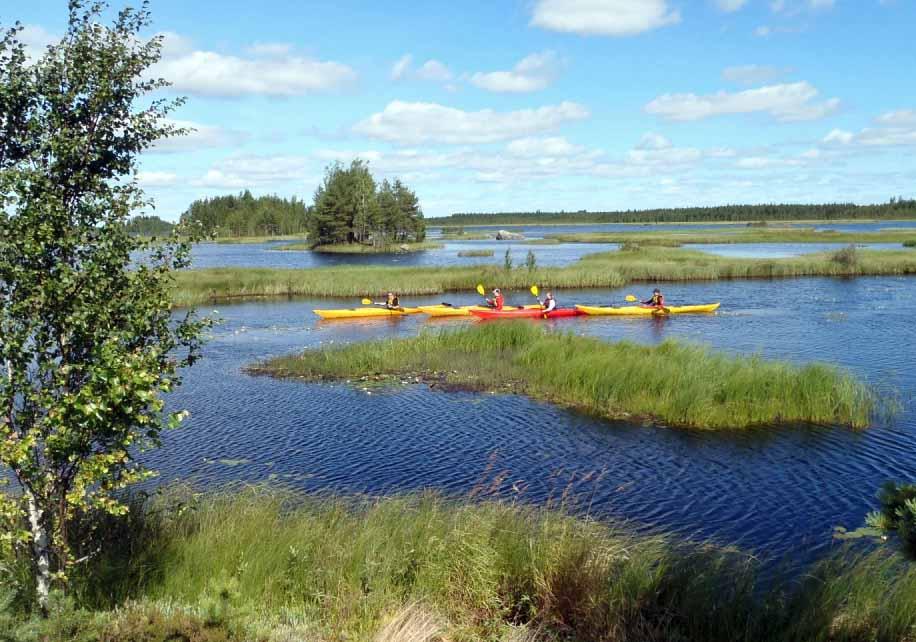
x,y
246,215
894,208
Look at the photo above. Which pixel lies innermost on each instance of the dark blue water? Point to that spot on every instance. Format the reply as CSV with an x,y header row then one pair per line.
x,y
778,491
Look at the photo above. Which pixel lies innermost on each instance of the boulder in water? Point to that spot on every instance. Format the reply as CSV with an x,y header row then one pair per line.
x,y
504,235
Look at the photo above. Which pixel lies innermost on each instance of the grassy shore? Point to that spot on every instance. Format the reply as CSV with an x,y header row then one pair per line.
x,y
475,253
359,248
740,235
673,383
602,270
263,564
230,240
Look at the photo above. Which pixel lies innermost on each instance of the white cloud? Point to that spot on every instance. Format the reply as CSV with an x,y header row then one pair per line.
x,y
414,122
36,39
603,17
787,102
269,71
532,73
752,74
157,179
651,140
839,136
887,137
795,7
665,156
899,118
730,6
435,71
401,67
199,137
532,147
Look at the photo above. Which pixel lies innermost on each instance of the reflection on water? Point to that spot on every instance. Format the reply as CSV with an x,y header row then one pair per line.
x,y
779,491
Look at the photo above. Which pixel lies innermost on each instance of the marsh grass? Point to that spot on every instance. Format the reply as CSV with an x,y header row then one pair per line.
x,y
909,243
602,270
672,383
359,248
747,234
475,253
262,563
239,240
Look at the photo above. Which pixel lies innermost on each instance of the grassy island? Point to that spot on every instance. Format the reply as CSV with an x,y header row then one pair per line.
x,y
672,383
362,248
602,270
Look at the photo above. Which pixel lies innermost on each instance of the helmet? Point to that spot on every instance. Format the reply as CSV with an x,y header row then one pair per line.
x,y
656,291
496,290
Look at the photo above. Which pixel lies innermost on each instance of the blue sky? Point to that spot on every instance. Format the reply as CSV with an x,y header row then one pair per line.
x,y
536,104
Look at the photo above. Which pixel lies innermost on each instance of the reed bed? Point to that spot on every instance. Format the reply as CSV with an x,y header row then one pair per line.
x,y
359,248
260,563
601,270
768,234
673,383
475,253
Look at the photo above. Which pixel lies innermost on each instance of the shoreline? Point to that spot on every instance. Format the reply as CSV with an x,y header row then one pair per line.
x,y
612,269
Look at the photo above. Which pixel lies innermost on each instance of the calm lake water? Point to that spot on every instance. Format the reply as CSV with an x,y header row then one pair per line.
x,y
777,491
267,255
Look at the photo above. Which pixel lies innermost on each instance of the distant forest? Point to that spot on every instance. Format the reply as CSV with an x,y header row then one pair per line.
x,y
896,208
245,215
149,226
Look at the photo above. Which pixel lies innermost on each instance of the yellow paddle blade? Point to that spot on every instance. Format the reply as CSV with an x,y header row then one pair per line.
x,y
534,290
630,298
480,289
367,301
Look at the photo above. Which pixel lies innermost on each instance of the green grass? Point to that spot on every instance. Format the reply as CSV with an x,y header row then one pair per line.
x,y
359,248
745,234
475,253
602,270
229,240
910,243
474,236
264,564
673,383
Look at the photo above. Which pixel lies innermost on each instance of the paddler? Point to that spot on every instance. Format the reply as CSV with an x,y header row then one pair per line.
x,y
497,301
657,300
549,304
392,302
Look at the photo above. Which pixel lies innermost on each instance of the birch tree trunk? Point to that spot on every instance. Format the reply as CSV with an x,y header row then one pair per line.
x,y
40,552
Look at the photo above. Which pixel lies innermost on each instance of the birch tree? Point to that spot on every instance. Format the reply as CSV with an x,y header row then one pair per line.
x,y
88,343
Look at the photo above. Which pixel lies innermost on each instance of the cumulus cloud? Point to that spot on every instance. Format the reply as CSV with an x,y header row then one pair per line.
x,y
157,179
752,74
786,102
198,137
839,136
36,38
603,17
532,73
401,67
269,70
435,71
411,123
532,147
899,118
651,140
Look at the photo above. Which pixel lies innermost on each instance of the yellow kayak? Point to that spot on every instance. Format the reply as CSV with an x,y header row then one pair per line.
x,y
459,310
646,310
358,313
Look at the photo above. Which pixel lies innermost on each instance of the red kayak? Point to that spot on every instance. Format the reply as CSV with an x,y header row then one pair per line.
x,y
526,314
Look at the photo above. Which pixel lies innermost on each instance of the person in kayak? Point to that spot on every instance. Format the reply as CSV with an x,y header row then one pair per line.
x,y
657,300
497,301
549,304
392,302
